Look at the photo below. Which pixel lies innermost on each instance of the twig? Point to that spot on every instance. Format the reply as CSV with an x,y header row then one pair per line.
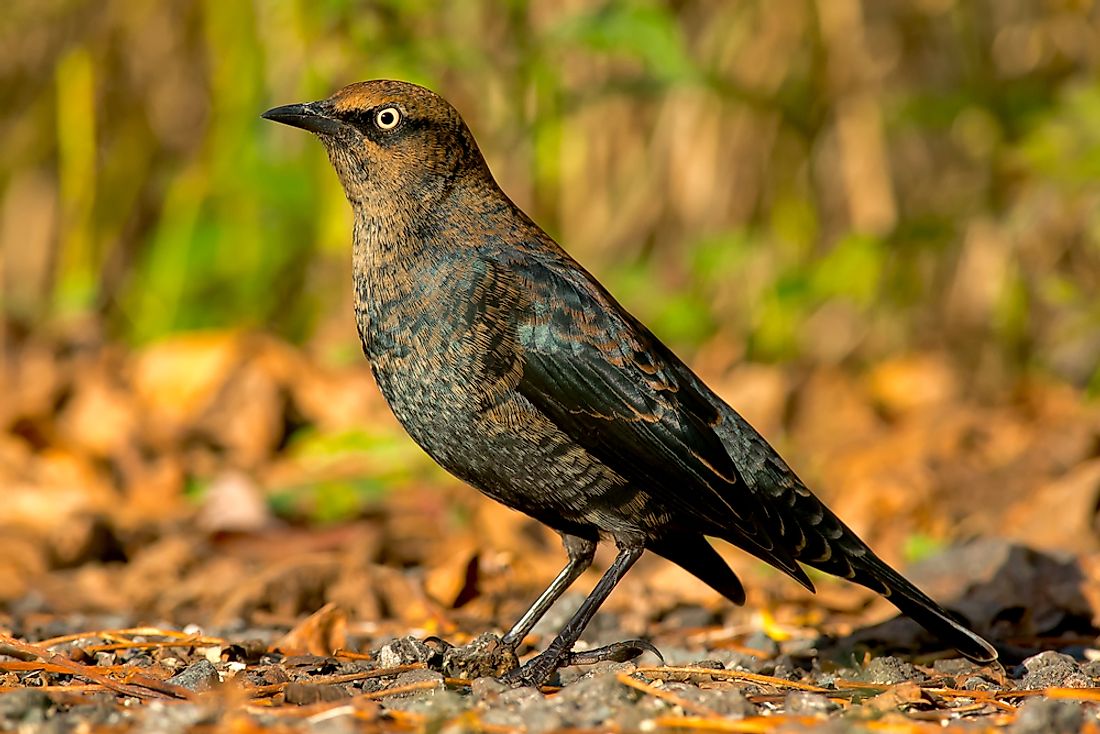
x,y
118,635
731,674
420,685
258,691
70,667
1074,694
752,725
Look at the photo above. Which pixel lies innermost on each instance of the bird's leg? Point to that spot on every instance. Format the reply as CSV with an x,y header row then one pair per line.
x,y
581,552
538,670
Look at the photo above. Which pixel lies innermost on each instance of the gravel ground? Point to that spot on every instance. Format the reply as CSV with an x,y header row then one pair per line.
x,y
169,681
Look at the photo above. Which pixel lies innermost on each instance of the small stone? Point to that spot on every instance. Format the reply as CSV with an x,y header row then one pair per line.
x,y
198,676
806,703
435,702
742,661
727,702
954,666
760,641
523,696
404,651
24,705
417,676
574,673
890,671
594,699
487,689
1053,670
304,694
1048,716
177,718
486,655
977,683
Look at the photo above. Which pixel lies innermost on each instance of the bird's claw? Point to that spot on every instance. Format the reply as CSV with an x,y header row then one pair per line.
x,y
535,672
539,669
617,652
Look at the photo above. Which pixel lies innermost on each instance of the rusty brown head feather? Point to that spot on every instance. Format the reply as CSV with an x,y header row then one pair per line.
x,y
389,139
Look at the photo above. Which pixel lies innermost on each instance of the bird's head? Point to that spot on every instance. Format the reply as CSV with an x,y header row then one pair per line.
x,y
390,140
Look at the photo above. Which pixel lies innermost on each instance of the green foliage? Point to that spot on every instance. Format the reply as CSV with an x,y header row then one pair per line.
x,y
732,168
331,501
357,469
919,546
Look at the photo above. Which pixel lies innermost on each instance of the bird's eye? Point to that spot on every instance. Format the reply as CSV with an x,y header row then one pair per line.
x,y
387,119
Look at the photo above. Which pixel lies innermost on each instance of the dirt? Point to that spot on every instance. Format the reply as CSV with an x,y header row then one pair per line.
x,y
221,532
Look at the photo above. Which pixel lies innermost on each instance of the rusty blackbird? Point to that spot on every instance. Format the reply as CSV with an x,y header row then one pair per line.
x,y
513,368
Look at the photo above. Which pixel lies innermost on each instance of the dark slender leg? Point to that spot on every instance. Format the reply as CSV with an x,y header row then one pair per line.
x,y
539,669
580,552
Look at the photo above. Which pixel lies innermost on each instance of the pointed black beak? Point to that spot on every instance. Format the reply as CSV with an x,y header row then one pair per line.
x,y
310,117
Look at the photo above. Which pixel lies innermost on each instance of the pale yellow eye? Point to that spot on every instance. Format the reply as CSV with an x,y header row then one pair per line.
x,y
387,118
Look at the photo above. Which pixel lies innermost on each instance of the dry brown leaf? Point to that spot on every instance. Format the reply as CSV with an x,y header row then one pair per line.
x,y
916,382
896,697
321,633
1061,514
452,572
178,378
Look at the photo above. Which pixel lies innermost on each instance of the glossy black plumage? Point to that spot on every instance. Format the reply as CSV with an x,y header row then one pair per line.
x,y
517,371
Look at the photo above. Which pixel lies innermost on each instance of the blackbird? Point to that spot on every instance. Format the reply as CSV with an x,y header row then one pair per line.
x,y
516,370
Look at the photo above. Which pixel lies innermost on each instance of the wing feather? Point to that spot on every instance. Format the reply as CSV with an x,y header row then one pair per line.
x,y
593,371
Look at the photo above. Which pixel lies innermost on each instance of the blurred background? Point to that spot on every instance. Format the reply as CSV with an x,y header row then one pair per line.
x,y
821,180
873,226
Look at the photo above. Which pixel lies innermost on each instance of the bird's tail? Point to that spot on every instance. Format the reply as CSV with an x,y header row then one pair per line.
x,y
827,544
696,556
874,573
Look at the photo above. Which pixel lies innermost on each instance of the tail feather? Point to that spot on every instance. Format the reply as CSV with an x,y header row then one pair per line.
x,y
696,556
824,542
872,572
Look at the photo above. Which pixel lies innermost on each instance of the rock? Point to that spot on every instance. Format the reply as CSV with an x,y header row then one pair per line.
x,y
890,671
303,694
760,641
198,676
486,655
175,718
805,703
727,702
1053,670
435,702
594,699
404,651
487,689
1048,716
25,706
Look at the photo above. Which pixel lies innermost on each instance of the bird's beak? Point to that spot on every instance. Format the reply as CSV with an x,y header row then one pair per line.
x,y
310,117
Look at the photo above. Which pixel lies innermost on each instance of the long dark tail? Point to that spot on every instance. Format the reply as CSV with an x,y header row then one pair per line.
x,y
805,531
875,574
829,545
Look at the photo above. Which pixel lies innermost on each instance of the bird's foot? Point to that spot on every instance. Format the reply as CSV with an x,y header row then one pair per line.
x,y
616,652
539,669
535,672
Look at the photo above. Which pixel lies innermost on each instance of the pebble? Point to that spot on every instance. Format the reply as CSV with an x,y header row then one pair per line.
x,y
890,671
1053,670
806,703
404,651
1048,716
198,676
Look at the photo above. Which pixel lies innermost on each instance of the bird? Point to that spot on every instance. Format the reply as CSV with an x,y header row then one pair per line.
x,y
519,373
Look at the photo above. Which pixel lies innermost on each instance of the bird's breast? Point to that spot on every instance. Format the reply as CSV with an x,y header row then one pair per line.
x,y
427,342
